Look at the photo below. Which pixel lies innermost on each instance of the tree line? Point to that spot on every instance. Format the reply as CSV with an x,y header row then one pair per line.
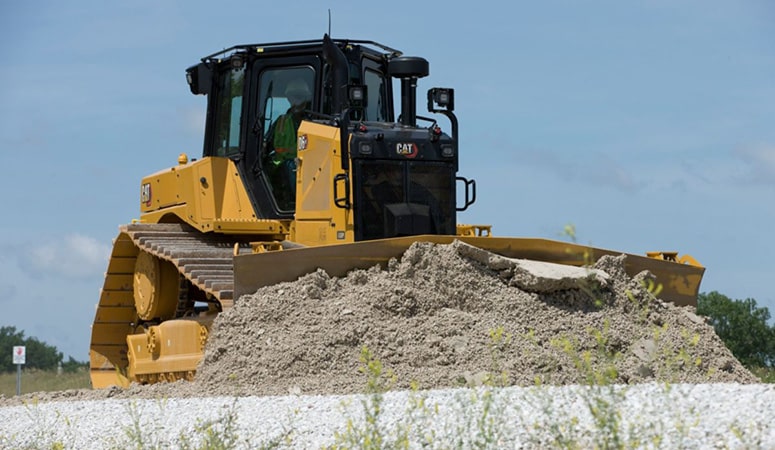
x,y
742,325
38,355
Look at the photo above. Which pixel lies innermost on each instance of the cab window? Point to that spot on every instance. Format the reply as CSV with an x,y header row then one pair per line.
x,y
274,101
376,110
285,98
228,117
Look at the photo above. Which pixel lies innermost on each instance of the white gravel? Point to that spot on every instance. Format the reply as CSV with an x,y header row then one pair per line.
x,y
657,415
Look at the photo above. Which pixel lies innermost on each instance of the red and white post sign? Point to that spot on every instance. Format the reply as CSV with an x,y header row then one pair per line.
x,y
19,354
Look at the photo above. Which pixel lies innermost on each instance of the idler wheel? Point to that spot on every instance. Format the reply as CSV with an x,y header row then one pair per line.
x,y
156,284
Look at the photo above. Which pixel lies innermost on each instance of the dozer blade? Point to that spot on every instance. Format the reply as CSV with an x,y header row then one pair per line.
x,y
680,282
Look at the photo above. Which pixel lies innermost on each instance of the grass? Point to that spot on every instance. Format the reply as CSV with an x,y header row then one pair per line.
x,y
44,381
766,374
219,433
485,416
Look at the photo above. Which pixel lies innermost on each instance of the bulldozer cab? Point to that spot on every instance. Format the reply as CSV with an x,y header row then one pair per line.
x,y
386,178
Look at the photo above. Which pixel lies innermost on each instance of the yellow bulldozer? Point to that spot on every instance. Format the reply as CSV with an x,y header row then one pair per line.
x,y
304,166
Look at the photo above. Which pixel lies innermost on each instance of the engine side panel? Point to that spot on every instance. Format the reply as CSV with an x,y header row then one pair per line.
x,y
207,194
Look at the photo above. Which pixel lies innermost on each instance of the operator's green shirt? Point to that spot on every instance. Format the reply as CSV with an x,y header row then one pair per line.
x,y
285,137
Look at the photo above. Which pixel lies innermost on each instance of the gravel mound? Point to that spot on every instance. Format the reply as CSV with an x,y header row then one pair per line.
x,y
446,316
434,317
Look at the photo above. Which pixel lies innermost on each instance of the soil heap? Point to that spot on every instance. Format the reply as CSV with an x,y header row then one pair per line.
x,y
454,315
447,316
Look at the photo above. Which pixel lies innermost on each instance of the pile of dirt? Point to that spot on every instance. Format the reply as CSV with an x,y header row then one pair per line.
x,y
448,316
453,315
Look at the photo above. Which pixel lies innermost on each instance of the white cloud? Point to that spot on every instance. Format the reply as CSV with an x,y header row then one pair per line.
x,y
594,169
760,160
73,256
744,166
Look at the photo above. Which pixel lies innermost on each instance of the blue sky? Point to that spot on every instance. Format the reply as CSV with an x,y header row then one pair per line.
x,y
648,125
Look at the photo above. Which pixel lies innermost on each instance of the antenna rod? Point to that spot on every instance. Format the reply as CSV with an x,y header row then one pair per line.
x,y
329,21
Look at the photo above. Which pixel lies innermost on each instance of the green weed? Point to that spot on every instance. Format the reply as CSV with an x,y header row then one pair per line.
x,y
46,431
498,344
142,435
370,435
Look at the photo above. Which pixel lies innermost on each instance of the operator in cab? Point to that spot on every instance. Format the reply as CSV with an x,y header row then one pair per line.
x,y
299,96
284,142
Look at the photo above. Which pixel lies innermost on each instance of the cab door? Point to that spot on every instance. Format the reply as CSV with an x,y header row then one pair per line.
x,y
271,182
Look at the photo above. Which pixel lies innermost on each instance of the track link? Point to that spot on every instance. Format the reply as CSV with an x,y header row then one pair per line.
x,y
204,259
